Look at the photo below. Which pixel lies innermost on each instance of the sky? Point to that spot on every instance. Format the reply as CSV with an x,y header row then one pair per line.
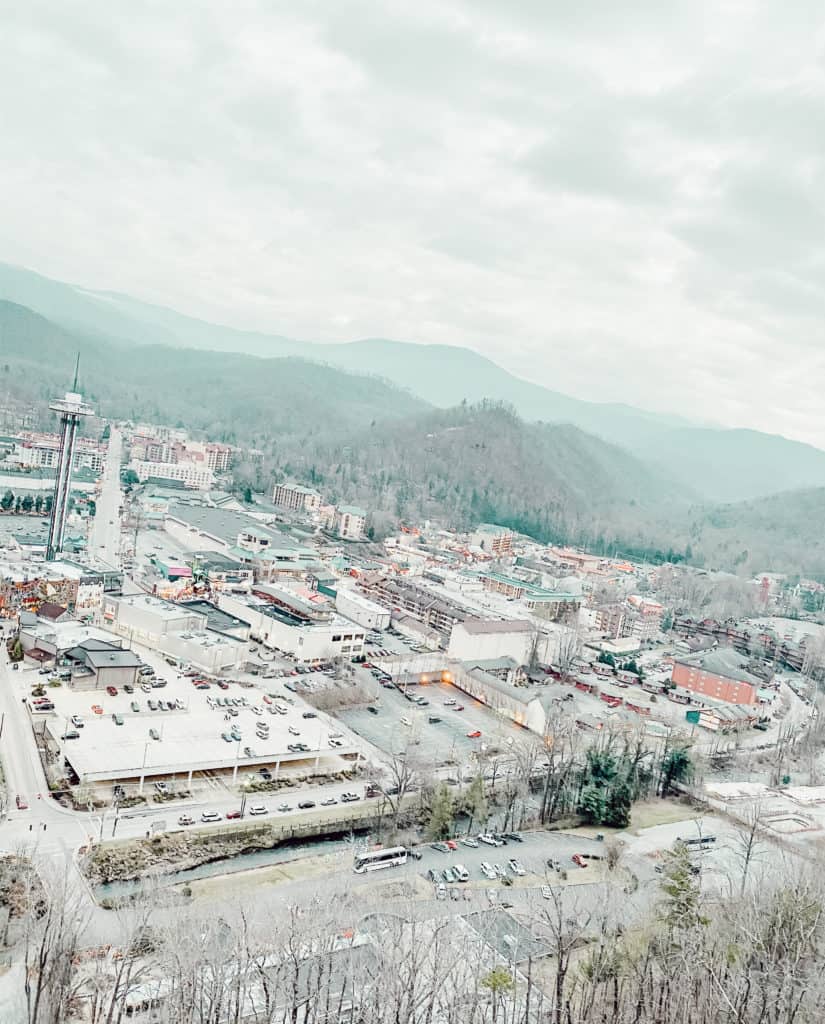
x,y
622,201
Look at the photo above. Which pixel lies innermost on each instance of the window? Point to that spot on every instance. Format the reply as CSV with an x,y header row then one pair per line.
x,y
336,639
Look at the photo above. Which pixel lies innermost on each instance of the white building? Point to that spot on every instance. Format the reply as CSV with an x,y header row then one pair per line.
x,y
295,498
194,475
177,632
486,639
359,609
304,639
350,522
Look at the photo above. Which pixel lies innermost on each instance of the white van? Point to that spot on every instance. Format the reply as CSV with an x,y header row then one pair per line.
x,y
462,873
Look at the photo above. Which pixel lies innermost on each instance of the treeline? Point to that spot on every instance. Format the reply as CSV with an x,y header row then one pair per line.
x,y
25,503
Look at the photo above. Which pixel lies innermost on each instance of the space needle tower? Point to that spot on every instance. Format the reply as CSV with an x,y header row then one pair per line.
x,y
71,409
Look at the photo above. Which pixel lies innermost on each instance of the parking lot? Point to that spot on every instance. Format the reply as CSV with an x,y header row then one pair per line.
x,y
434,742
185,728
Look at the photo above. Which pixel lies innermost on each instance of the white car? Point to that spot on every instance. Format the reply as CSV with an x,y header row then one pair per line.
x,y
210,816
499,870
256,710
404,720
293,731
516,867
469,841
489,840
449,703
488,870
77,721
257,809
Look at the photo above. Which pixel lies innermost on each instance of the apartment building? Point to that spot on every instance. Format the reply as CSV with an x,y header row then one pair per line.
x,y
720,673
403,595
40,450
295,498
496,541
637,617
350,522
193,475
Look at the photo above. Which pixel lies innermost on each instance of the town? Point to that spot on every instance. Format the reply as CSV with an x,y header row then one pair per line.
x,y
198,680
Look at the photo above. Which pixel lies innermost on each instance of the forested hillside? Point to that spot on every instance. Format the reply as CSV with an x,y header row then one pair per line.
x,y
235,398
477,463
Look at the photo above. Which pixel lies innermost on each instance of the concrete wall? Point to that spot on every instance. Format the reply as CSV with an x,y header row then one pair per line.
x,y
360,610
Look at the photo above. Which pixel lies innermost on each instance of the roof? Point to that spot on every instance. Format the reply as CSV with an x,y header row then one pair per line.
x,y
479,627
503,664
98,656
49,610
721,661
351,510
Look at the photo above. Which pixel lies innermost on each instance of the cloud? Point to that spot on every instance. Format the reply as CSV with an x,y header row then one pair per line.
x,y
619,201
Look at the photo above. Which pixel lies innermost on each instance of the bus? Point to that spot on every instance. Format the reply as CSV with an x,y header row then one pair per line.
x,y
375,859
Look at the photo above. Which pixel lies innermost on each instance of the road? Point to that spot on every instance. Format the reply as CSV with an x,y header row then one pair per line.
x,y
104,539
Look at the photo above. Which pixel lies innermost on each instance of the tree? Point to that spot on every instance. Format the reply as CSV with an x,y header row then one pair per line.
x,y
746,840
679,884
476,801
499,983
667,622
247,495
38,504
27,504
7,501
440,823
129,478
676,767
617,805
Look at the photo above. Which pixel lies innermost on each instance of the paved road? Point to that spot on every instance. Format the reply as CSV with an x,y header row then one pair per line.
x,y
104,540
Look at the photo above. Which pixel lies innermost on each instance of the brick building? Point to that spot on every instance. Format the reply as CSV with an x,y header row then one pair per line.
x,y
720,673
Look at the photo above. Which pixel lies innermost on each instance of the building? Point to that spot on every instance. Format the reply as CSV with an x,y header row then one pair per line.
x,y
292,622
496,541
366,613
720,673
192,475
610,620
482,639
407,596
220,571
552,605
72,409
268,553
42,451
643,618
96,664
175,630
295,498
350,522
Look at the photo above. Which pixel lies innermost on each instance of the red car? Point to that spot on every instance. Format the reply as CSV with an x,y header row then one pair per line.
x,y
223,685
232,814
267,699
458,707
474,735
22,805
453,845
97,709
112,691
578,859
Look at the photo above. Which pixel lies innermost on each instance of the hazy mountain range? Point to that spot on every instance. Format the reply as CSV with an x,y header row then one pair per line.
x,y
362,420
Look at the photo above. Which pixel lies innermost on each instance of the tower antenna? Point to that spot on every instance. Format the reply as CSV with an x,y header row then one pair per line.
x,y
76,368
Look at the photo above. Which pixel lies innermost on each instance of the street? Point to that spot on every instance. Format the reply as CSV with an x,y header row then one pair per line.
x,y
104,538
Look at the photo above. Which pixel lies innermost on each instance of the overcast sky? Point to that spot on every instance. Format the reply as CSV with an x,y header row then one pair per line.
x,y
620,200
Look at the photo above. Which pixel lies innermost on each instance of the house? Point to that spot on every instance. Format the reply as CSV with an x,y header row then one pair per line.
x,y
49,612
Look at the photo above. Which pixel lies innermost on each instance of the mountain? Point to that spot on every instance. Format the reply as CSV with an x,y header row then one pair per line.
x,y
780,533
720,464
476,463
232,397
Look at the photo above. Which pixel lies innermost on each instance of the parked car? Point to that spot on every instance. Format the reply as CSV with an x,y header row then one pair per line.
x,y
469,841
231,815
117,719
76,721
309,714
499,870
283,808
128,688
451,844
441,847
186,819
305,805
488,870
135,706
516,867
152,705
21,802
112,691
72,734
449,875
371,708
578,859
489,840
474,735
210,816
258,809
97,709
348,798
154,734
330,800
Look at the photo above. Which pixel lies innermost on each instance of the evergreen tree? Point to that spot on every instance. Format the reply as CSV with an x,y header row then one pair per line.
x,y
440,824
